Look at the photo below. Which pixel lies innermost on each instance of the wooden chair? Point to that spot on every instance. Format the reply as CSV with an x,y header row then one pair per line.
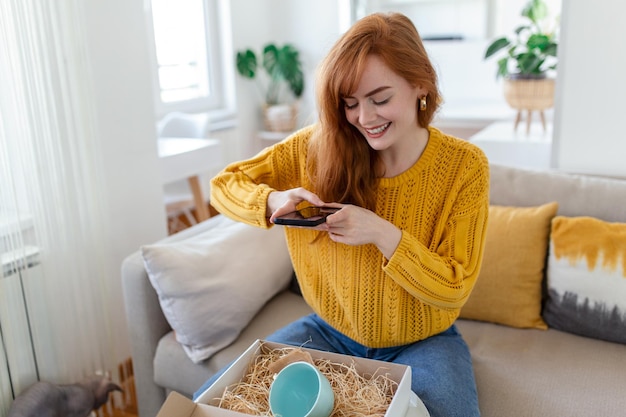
x,y
182,210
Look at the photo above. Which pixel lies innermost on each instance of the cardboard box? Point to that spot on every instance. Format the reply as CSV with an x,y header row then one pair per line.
x,y
403,404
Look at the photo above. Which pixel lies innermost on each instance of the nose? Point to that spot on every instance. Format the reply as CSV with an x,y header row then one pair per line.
x,y
367,113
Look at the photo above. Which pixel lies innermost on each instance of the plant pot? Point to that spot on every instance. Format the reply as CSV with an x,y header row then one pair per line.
x,y
280,117
529,94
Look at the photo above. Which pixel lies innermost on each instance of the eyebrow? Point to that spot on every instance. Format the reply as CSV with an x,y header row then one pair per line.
x,y
374,91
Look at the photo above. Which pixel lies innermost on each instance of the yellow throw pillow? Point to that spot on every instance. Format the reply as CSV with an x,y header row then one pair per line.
x,y
509,287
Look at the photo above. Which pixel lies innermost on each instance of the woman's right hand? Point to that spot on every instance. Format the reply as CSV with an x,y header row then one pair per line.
x,y
283,202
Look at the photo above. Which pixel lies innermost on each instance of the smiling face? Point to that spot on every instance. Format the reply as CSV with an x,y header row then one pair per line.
x,y
384,107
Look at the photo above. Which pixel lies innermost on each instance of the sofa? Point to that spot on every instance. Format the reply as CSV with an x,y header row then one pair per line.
x,y
546,328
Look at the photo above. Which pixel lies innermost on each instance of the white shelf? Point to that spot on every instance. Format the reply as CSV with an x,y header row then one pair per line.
x,y
506,146
273,136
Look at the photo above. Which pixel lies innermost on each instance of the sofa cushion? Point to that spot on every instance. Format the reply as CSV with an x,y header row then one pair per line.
x,y
531,372
587,278
220,265
509,287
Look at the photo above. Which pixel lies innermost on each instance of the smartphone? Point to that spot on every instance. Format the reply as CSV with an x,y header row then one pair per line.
x,y
307,217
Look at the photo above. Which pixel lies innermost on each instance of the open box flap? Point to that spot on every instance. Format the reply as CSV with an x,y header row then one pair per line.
x,y
177,405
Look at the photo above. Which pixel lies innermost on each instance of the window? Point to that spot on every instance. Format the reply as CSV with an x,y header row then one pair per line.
x,y
193,67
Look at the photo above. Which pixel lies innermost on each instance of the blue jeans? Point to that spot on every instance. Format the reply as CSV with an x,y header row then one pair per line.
x,y
441,366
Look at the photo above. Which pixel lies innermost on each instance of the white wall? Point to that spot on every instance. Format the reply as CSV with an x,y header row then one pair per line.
x,y
251,23
311,26
590,107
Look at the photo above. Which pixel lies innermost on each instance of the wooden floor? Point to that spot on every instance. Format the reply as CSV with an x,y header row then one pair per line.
x,y
122,404
179,222
116,413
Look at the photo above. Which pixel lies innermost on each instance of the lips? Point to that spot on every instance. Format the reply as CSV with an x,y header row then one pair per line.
x,y
378,130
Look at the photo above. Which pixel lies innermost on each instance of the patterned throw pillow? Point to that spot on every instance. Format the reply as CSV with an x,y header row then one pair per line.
x,y
587,278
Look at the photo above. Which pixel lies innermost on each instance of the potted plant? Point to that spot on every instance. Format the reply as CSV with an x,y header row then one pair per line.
x,y
283,75
526,59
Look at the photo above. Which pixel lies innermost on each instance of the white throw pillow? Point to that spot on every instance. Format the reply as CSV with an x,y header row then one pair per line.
x,y
211,285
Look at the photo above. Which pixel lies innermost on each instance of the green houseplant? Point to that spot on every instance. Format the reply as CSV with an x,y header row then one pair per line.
x,y
283,68
533,50
283,72
526,59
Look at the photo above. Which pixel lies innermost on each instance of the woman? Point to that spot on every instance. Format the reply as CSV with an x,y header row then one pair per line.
x,y
388,273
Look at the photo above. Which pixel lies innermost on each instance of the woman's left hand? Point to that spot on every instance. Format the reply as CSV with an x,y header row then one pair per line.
x,y
353,225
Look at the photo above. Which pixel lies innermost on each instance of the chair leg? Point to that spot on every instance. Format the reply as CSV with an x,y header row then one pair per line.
x,y
201,207
189,216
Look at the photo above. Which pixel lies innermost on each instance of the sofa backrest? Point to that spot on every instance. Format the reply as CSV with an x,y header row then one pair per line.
x,y
577,195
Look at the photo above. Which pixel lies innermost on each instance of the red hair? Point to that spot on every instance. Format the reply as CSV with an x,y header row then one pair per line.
x,y
343,167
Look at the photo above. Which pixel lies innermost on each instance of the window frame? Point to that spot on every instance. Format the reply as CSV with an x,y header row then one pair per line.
x,y
218,37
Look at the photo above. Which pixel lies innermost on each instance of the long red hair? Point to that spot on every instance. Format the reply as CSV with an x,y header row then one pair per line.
x,y
343,167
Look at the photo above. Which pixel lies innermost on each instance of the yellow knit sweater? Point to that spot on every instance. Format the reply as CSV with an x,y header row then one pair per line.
x,y
441,206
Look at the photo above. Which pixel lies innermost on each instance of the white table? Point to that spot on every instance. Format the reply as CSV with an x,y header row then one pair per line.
x,y
186,158
505,146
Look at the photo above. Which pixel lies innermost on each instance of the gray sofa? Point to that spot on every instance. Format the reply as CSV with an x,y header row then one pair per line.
x,y
519,372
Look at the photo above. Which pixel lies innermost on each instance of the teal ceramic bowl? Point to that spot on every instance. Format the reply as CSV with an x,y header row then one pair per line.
x,y
301,390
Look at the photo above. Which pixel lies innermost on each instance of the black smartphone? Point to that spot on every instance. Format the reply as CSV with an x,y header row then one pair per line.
x,y
307,217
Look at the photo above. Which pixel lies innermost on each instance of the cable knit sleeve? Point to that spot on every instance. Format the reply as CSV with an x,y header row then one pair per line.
x,y
240,190
438,260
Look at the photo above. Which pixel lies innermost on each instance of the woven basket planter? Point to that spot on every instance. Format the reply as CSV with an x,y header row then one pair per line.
x,y
529,94
280,118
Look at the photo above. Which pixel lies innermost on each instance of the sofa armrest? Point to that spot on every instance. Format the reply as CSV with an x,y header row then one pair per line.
x,y
146,326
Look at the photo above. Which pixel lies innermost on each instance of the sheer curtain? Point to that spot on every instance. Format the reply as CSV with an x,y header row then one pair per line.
x,y
54,321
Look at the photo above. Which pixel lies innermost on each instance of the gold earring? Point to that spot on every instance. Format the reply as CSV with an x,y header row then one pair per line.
x,y
423,105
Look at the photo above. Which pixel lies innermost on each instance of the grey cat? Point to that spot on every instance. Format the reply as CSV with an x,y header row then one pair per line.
x,y
45,399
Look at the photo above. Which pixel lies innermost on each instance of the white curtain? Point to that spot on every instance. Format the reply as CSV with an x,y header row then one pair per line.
x,y
53,311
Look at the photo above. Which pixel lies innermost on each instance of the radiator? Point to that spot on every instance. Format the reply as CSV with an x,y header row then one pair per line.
x,y
18,362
